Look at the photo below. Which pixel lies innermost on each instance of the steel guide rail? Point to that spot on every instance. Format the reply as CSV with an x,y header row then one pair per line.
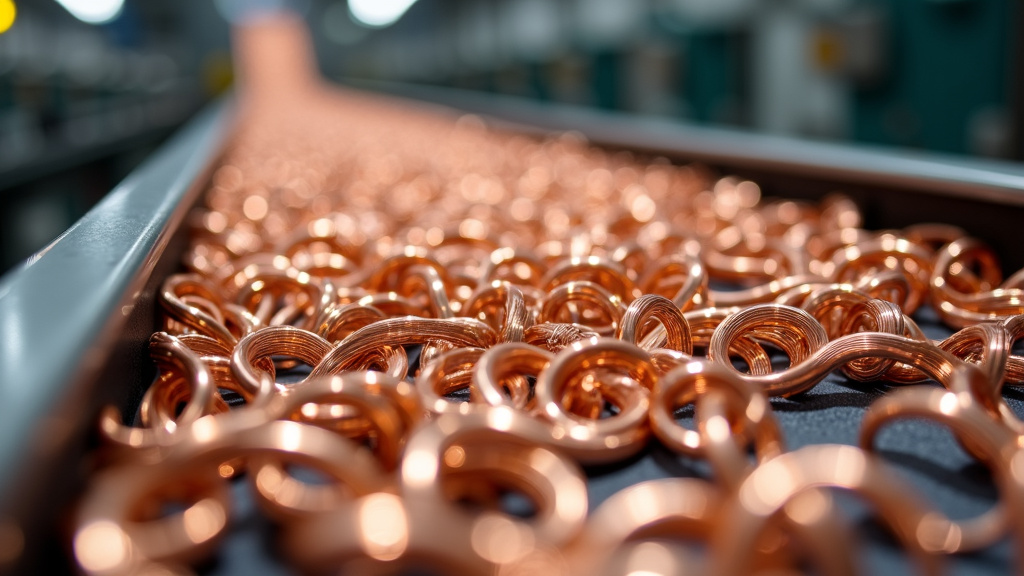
x,y
75,319
74,322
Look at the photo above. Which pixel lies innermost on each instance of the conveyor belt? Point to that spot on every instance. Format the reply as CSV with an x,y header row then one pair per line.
x,y
75,319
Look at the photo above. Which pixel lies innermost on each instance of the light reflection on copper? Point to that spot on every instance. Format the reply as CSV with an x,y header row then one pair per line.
x,y
499,539
203,520
101,546
384,527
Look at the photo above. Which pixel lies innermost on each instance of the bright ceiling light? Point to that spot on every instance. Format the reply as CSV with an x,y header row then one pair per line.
x,y
378,13
8,12
93,11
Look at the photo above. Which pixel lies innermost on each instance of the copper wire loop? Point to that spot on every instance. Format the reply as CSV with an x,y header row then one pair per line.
x,y
429,314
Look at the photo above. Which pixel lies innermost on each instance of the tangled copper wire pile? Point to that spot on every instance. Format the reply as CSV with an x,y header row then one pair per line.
x,y
429,313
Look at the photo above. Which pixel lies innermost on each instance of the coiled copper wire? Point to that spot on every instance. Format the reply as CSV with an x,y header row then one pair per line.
x,y
358,264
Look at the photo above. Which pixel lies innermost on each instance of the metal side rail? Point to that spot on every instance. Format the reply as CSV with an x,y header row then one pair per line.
x,y
74,322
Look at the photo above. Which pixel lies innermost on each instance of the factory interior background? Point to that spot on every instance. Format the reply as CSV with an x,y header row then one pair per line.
x,y
89,88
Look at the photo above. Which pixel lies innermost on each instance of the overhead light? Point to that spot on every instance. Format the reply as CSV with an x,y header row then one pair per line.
x,y
93,11
8,12
378,13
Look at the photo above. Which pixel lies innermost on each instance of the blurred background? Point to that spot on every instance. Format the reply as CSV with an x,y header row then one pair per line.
x,y
89,88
